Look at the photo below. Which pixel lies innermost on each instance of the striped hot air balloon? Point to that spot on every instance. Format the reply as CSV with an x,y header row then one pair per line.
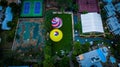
x,y
56,22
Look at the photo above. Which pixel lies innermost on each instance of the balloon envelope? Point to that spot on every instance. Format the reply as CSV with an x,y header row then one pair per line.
x,y
56,35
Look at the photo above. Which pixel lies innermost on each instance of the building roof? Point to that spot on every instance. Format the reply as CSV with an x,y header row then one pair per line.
x,y
117,6
91,22
93,57
110,10
114,25
88,5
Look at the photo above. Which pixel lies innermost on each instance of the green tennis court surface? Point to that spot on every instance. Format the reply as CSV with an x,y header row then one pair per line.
x,y
31,8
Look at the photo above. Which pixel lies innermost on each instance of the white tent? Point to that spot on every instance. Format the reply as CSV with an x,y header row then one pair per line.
x,y
91,22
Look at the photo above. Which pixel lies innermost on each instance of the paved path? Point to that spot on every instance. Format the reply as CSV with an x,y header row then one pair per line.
x,y
70,61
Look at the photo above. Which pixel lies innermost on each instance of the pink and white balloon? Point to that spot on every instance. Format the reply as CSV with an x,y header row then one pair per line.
x,y
56,22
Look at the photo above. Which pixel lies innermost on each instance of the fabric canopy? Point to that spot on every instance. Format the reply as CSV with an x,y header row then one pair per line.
x,y
91,22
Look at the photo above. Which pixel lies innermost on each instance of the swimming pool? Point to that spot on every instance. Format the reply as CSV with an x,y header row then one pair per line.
x,y
25,28
26,34
75,19
35,31
112,59
101,55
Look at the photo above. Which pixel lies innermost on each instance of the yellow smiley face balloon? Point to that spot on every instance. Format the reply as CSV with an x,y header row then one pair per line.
x,y
56,35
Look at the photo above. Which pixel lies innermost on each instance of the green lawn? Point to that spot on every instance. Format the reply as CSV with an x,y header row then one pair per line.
x,y
66,42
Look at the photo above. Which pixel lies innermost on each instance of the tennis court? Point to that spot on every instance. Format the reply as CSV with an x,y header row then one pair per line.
x,y
32,8
26,7
37,7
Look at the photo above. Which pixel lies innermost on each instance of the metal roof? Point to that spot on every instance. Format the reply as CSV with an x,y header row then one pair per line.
x,y
110,10
91,22
114,25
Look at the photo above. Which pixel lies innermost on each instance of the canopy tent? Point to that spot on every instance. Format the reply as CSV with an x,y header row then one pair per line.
x,y
91,22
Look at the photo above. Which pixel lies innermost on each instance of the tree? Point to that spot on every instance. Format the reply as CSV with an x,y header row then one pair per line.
x,y
78,26
85,12
75,8
48,18
64,62
11,36
48,63
64,3
47,50
3,3
15,7
17,36
77,49
86,47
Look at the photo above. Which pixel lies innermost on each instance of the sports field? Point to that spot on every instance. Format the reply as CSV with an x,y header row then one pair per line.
x,y
31,8
28,34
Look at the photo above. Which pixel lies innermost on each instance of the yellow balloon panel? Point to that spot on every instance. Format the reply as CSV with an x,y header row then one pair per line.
x,y
56,35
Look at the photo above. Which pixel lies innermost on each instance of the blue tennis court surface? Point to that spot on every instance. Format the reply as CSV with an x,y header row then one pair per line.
x,y
37,7
26,7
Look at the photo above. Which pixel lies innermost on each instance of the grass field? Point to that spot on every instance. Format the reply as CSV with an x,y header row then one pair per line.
x,y
66,43
31,12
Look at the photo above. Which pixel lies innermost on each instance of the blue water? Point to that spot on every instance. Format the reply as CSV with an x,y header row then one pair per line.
x,y
8,17
112,59
19,29
37,7
102,57
39,40
26,34
75,19
26,7
27,31
36,31
84,40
